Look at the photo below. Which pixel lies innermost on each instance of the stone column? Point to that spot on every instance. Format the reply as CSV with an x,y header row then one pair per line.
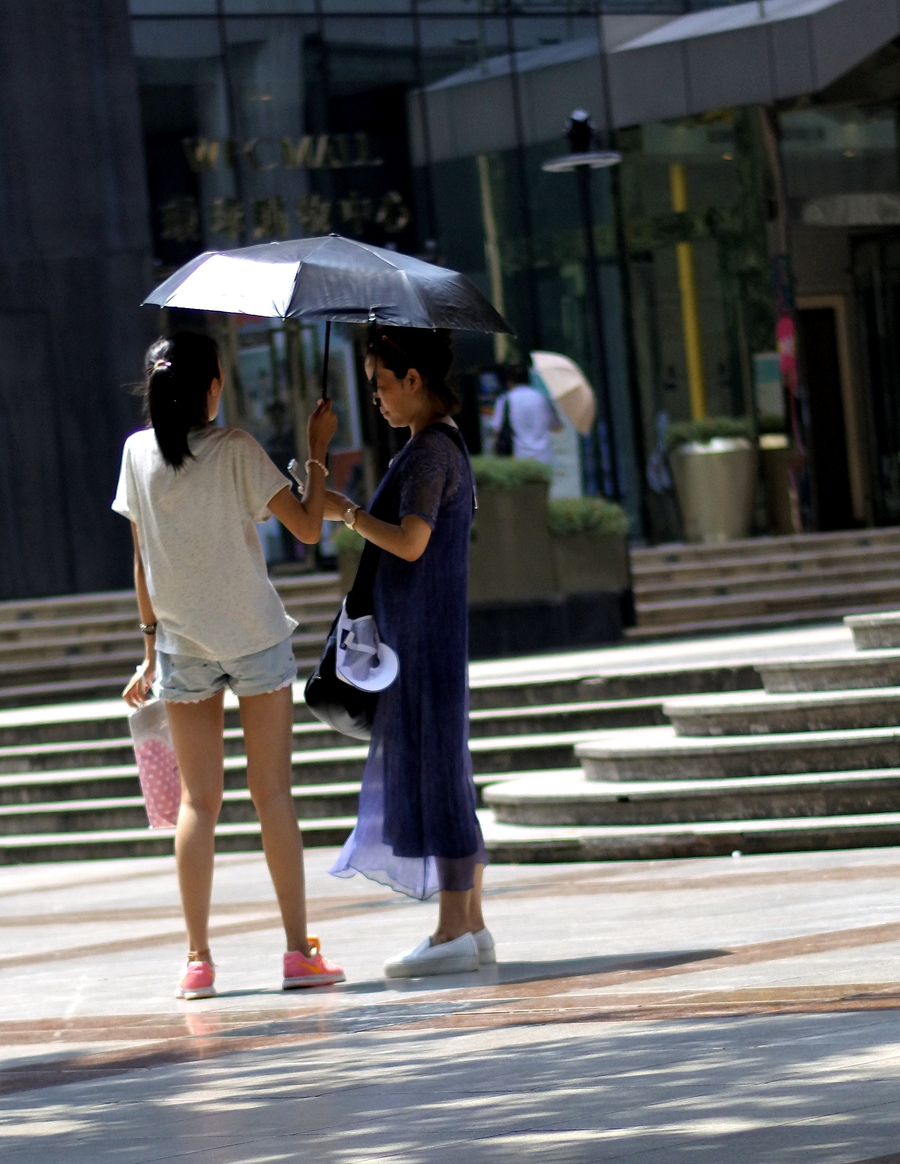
x,y
74,266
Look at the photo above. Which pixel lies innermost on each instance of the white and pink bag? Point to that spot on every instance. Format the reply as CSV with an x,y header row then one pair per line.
x,y
157,763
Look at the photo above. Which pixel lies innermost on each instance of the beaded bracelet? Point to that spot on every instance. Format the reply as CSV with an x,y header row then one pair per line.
x,y
313,461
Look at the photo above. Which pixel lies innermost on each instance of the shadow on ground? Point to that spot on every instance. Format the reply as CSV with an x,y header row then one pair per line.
x,y
813,1089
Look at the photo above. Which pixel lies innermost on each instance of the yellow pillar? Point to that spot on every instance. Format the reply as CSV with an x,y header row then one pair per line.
x,y
492,252
684,254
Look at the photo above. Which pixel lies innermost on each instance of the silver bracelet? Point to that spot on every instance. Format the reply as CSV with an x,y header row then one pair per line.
x,y
313,461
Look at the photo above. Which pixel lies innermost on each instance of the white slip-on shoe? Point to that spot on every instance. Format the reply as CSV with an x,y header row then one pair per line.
x,y
448,958
485,943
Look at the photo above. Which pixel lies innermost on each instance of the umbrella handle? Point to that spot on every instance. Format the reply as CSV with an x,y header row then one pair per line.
x,y
325,359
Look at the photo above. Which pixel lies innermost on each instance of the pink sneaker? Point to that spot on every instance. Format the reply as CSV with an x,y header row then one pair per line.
x,y
300,970
197,981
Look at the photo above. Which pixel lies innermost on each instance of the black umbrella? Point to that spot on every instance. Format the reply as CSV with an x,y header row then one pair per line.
x,y
331,279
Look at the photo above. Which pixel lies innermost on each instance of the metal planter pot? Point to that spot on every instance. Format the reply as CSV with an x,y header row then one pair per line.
x,y
590,562
509,555
716,486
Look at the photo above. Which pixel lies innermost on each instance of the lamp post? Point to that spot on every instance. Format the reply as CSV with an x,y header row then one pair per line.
x,y
581,160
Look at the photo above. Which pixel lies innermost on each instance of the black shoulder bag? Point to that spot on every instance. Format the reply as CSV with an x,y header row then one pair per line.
x,y
347,709
342,706
503,445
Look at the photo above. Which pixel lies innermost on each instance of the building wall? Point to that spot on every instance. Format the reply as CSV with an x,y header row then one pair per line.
x,y
74,266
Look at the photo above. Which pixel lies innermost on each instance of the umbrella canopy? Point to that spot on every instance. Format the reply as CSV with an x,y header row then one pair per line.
x,y
330,279
568,387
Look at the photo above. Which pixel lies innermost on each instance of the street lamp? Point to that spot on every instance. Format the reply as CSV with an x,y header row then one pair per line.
x,y
582,159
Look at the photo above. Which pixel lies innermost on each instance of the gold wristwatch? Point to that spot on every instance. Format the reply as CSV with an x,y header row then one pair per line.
x,y
349,518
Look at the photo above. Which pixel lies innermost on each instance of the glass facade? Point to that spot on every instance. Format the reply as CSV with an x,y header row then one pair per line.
x,y
275,120
694,201
268,119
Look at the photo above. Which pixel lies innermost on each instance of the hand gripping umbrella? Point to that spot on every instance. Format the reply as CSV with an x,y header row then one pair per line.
x,y
330,280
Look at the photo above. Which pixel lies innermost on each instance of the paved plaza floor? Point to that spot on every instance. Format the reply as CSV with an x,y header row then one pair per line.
x,y
728,1010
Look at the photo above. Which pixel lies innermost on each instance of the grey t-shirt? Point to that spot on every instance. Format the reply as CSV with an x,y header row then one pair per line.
x,y
202,556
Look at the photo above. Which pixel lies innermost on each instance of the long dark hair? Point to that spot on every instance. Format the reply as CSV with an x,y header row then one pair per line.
x,y
179,372
429,352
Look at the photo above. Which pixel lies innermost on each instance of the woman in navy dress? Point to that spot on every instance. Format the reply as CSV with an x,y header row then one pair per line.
x,y
417,830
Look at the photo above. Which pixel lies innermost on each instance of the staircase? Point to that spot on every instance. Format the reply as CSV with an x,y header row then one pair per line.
x,y
655,756
85,646
760,582
809,762
69,788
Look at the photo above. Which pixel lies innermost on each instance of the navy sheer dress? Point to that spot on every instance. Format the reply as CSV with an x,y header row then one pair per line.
x,y
417,830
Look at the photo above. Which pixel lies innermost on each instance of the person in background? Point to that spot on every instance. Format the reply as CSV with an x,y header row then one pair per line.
x,y
211,618
531,416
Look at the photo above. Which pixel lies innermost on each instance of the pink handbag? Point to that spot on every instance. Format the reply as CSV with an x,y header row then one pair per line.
x,y
157,763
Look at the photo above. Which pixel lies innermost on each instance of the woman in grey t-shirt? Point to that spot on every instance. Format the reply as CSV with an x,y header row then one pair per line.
x,y
193,492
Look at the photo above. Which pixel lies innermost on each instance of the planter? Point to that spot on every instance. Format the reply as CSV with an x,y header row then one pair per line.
x,y
779,461
589,562
716,484
349,546
348,562
510,556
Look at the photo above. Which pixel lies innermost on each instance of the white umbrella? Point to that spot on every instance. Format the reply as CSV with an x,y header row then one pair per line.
x,y
568,388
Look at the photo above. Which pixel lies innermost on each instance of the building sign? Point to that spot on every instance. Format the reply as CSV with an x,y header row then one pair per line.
x,y
327,151
271,217
183,220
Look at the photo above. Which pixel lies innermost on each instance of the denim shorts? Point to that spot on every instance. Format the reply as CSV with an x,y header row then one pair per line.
x,y
187,679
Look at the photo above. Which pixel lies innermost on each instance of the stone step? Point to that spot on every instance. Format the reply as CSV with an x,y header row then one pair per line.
x,y
321,802
838,542
116,826
30,848
112,785
749,713
657,753
750,583
489,693
106,719
105,672
583,716
311,628
99,753
567,798
338,764
309,735
868,669
18,661
657,682
291,588
527,844
725,567
808,599
43,634
707,628
874,632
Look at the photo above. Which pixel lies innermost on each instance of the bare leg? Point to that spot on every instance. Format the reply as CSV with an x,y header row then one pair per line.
x,y
197,735
268,736
459,911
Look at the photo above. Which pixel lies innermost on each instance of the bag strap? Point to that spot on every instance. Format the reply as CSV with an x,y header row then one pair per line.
x,y
360,600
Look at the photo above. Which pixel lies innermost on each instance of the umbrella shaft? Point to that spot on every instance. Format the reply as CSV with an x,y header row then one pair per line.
x,y
325,359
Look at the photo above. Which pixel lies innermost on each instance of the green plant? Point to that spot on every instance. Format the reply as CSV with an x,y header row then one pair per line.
x,y
686,432
348,542
507,472
570,515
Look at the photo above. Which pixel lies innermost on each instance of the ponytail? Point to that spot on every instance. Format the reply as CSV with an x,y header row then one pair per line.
x,y
179,372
